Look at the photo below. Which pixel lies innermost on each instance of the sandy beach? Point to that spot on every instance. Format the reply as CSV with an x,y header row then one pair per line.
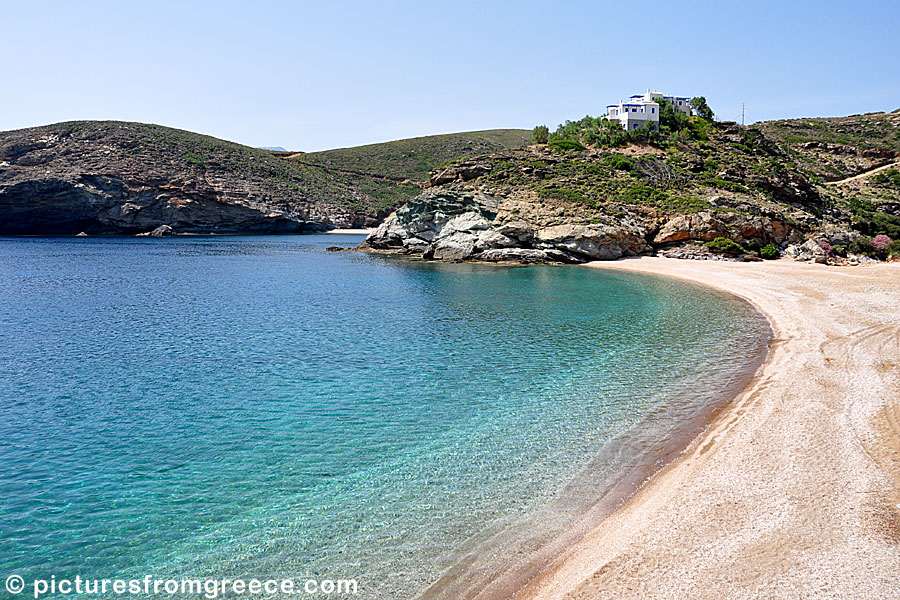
x,y
351,231
793,491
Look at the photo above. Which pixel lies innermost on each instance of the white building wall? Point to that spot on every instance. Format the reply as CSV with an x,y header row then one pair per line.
x,y
681,104
643,108
634,114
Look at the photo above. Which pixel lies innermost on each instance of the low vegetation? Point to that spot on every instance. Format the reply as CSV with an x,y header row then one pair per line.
x,y
866,217
678,169
566,145
722,244
890,178
867,131
768,252
413,158
765,169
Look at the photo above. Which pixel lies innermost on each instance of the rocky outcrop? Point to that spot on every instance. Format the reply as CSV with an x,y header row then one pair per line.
x,y
452,225
72,203
875,153
743,229
789,187
161,231
458,223
460,171
538,205
755,186
594,242
836,236
695,251
130,178
524,256
809,251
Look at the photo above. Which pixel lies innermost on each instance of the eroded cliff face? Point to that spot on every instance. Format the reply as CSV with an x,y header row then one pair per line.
x,y
69,203
127,178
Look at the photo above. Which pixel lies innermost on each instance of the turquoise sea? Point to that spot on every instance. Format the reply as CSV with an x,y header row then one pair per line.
x,y
258,407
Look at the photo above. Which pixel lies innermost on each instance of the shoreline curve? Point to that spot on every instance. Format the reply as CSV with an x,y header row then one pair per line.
x,y
794,487
479,573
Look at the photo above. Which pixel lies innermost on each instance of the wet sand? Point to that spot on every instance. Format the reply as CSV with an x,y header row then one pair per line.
x,y
793,489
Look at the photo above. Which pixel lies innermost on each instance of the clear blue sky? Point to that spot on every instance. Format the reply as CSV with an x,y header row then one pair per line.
x,y
325,74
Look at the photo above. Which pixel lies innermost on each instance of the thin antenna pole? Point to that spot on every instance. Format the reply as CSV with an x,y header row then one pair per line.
x,y
742,113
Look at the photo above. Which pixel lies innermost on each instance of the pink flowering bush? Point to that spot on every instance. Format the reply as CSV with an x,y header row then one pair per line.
x,y
881,242
827,248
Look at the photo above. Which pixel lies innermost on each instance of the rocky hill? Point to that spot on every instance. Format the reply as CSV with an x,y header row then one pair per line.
x,y
712,190
109,177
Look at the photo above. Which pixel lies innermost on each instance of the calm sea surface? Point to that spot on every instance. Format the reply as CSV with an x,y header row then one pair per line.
x,y
234,406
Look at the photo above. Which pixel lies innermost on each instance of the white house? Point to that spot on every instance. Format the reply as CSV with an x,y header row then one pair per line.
x,y
643,109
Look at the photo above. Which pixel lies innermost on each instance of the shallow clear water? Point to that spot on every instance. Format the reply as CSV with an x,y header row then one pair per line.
x,y
259,407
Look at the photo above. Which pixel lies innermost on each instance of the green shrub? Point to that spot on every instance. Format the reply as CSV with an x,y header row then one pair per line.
x,y
723,244
194,159
860,207
540,134
769,252
566,145
669,118
731,186
567,195
893,248
571,130
618,161
861,245
711,164
644,133
871,221
643,194
890,177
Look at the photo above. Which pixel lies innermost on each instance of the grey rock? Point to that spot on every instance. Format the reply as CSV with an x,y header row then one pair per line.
x,y
808,251
439,224
494,239
517,229
593,242
517,255
443,224
455,247
837,236
161,231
